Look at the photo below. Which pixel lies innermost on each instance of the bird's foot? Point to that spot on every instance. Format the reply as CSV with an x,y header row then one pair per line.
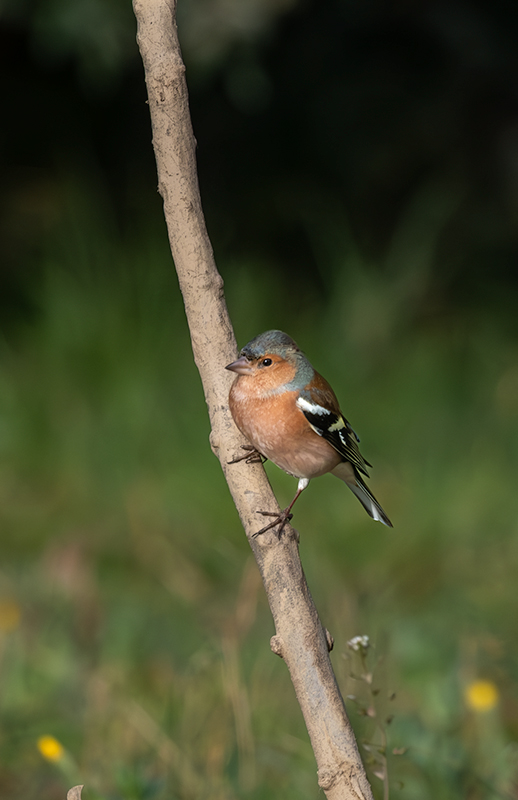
x,y
252,456
280,519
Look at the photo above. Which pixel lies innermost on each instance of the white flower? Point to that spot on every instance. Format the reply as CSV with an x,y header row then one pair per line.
x,y
358,643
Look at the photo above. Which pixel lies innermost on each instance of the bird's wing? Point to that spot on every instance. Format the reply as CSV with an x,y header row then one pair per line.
x,y
319,405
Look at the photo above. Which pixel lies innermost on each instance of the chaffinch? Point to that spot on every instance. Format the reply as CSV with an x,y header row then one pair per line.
x,y
291,416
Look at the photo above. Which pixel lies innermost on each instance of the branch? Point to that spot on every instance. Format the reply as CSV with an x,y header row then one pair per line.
x,y
300,638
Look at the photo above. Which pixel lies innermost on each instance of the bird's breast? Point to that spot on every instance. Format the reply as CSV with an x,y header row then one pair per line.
x,y
279,430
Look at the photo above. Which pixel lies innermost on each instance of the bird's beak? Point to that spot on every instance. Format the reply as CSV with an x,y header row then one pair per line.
x,y
241,366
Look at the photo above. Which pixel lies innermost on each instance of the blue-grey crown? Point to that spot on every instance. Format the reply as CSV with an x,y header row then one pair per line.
x,y
270,342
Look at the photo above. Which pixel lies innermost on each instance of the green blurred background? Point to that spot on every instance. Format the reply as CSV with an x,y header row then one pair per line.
x,y
358,164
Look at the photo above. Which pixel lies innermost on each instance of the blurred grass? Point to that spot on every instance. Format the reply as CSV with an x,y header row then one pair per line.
x,y
133,626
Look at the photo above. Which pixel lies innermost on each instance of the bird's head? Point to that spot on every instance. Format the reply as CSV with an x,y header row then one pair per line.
x,y
272,359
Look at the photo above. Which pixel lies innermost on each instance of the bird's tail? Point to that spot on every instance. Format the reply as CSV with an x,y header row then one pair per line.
x,y
350,476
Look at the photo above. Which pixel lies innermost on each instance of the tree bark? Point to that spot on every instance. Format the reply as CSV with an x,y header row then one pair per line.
x,y
300,638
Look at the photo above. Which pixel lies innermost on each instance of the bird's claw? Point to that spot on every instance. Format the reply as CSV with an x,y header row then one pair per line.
x,y
280,519
253,456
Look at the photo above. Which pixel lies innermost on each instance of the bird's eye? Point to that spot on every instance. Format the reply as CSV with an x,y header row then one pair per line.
x,y
266,362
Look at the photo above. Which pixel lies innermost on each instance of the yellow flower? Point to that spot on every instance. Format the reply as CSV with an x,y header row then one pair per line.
x,y
481,695
50,748
9,615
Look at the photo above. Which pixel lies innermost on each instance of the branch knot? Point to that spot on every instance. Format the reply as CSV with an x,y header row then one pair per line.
x,y
277,646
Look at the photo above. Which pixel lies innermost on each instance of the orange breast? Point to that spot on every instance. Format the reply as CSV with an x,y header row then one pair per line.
x,y
281,432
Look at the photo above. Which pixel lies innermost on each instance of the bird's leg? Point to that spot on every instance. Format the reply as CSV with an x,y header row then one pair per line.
x,y
284,516
253,456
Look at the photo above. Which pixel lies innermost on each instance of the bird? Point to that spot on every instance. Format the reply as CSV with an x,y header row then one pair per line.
x,y
291,416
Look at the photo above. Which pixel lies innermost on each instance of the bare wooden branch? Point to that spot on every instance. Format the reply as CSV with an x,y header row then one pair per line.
x,y
300,638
